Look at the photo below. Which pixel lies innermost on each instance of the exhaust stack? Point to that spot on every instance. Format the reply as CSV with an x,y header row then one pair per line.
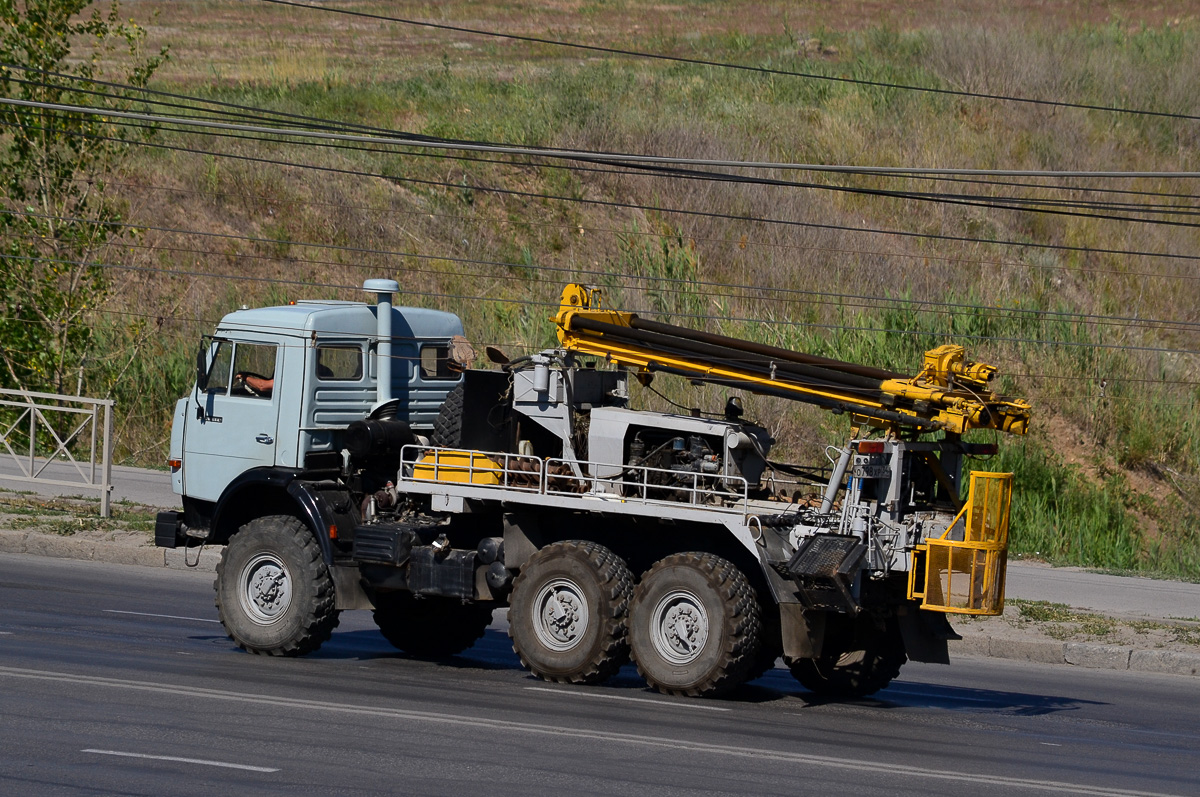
x,y
383,290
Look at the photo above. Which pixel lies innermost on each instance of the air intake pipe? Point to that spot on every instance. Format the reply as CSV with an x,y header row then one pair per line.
x,y
383,290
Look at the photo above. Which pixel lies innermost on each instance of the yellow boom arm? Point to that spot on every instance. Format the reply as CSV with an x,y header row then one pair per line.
x,y
949,393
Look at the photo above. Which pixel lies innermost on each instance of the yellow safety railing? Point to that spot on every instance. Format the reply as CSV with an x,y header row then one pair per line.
x,y
962,572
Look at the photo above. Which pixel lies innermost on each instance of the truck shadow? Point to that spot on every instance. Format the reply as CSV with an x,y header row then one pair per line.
x,y
494,652
778,684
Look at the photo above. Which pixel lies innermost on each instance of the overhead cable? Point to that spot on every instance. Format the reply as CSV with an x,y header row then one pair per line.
x,y
416,140
665,210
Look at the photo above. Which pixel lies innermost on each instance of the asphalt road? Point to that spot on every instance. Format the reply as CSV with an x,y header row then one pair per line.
x,y
101,694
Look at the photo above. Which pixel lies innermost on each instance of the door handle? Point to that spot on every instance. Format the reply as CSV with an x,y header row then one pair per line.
x,y
265,439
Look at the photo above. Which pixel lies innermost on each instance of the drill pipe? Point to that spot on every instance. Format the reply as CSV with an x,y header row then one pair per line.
x,y
773,352
739,357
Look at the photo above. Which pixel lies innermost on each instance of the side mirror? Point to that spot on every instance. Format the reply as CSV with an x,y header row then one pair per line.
x,y
201,370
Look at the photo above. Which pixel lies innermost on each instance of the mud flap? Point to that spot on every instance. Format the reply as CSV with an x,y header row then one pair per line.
x,y
803,632
347,588
925,634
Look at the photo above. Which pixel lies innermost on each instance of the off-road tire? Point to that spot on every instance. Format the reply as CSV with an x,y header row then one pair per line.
x,y
568,613
447,429
854,662
770,646
430,628
695,586
275,595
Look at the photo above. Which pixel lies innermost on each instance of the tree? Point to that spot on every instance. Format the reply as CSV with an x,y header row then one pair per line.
x,y
59,227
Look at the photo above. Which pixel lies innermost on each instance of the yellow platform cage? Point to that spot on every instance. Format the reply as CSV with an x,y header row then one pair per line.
x,y
962,572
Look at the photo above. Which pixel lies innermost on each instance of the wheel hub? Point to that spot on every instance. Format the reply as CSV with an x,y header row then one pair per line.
x,y
560,614
266,589
679,627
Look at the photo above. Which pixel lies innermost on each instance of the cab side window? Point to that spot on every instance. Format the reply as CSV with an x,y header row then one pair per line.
x,y
254,370
436,362
339,363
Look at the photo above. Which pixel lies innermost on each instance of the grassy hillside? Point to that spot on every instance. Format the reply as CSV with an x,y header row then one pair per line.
x,y
1108,474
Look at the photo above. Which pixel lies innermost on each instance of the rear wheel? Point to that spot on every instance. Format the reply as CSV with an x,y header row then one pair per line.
x,y
274,593
694,625
567,615
858,658
430,627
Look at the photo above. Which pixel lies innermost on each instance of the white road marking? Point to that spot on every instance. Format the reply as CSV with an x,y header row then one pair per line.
x,y
277,702
603,696
166,616
204,762
6,633
1050,744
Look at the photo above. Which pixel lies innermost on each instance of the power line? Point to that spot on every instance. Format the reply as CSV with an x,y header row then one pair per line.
x,y
684,212
744,241
319,123
1191,210
740,67
1020,204
414,140
255,112
1068,187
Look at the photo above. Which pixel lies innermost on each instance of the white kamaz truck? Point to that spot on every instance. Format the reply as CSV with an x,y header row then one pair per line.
x,y
346,457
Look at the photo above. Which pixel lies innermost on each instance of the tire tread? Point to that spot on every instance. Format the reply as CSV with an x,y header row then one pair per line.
x,y
313,586
448,427
741,609
615,581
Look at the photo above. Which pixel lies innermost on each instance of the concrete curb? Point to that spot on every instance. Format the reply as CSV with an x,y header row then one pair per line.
x,y
1042,651
1079,654
40,544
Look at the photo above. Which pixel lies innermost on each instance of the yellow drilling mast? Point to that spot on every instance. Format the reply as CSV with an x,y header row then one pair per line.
x,y
949,393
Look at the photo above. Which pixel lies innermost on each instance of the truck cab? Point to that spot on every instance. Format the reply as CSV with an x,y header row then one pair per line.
x,y
276,388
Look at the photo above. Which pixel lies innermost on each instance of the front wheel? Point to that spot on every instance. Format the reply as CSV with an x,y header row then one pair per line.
x,y
567,614
694,625
275,595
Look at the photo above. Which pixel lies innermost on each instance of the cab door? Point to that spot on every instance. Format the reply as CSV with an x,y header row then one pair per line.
x,y
237,428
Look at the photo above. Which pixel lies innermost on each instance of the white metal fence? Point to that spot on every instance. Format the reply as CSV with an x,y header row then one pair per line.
x,y
44,438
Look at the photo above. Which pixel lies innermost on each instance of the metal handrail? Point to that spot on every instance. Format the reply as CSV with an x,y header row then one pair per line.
x,y
698,493
569,477
34,406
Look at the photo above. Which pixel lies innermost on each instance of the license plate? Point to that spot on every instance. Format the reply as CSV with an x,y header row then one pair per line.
x,y
871,472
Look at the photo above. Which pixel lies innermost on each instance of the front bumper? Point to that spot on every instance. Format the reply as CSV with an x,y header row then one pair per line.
x,y
168,530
